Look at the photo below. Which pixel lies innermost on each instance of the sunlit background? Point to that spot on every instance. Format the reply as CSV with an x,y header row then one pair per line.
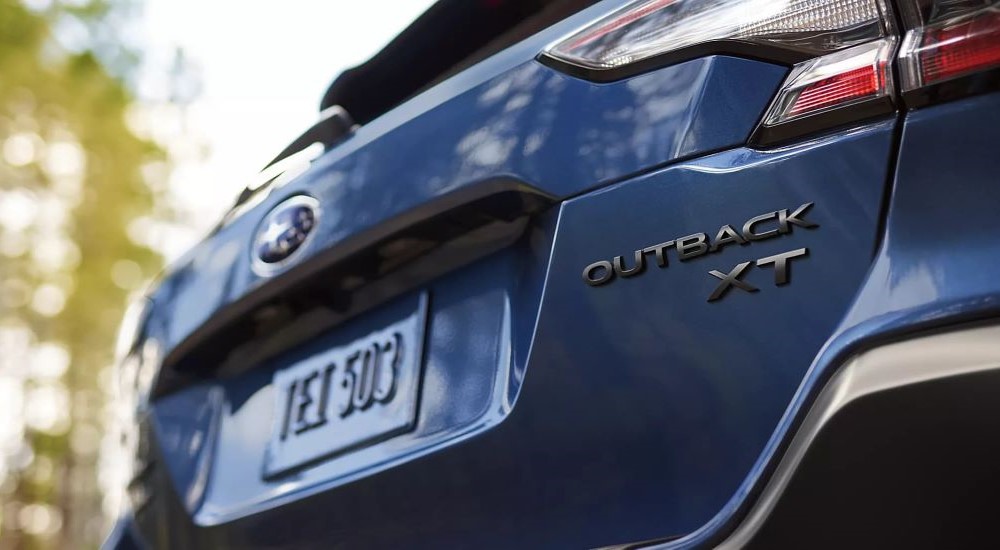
x,y
126,129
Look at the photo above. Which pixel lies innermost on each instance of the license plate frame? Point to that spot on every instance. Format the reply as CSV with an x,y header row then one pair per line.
x,y
347,396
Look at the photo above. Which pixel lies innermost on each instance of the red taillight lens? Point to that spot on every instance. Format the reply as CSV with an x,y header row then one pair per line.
x,y
852,76
842,88
961,49
963,44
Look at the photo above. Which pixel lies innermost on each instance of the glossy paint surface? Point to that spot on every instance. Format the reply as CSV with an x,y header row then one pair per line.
x,y
638,403
508,117
559,134
681,393
481,322
465,381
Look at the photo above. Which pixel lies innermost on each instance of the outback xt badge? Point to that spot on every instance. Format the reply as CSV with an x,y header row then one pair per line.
x,y
757,228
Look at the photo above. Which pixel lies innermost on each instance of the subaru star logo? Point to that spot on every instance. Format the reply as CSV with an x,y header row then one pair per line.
x,y
283,231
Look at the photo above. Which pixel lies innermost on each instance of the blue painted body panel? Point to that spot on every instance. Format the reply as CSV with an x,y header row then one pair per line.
x,y
699,386
552,413
654,400
936,266
559,134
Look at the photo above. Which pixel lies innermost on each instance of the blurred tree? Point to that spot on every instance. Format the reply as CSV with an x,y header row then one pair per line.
x,y
71,181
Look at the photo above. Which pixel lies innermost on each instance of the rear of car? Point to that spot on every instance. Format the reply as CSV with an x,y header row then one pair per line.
x,y
683,273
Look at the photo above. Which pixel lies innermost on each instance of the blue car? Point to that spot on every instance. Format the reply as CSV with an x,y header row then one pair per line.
x,y
560,274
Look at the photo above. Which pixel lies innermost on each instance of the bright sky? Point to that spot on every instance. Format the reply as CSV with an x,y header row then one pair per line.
x,y
263,67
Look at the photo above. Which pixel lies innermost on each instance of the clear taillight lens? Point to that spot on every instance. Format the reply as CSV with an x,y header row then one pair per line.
x,y
855,75
646,29
951,39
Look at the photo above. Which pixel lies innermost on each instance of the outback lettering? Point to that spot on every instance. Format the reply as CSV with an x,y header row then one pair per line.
x,y
757,228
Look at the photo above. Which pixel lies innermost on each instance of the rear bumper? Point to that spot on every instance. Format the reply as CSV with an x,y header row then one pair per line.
x,y
898,449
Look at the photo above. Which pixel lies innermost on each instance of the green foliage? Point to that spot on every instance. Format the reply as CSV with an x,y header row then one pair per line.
x,y
54,105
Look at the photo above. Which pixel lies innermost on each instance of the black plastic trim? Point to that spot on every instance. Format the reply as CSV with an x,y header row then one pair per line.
x,y
908,467
768,136
987,316
950,90
757,51
353,276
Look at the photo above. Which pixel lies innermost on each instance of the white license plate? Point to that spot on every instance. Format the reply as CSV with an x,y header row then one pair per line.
x,y
348,396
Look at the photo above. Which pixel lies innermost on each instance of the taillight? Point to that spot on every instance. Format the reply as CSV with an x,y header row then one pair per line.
x,y
838,89
832,90
949,44
647,33
840,51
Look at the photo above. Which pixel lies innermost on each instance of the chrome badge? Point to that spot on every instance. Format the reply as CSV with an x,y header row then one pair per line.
x,y
283,232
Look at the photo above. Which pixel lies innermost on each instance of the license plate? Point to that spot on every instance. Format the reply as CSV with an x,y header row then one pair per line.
x,y
347,396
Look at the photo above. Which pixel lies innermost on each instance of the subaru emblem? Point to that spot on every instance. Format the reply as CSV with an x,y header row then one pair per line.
x,y
283,232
